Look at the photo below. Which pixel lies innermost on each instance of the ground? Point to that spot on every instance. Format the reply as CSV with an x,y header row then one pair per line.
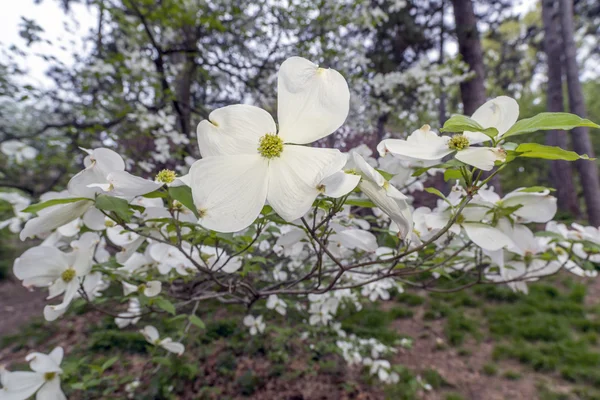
x,y
486,343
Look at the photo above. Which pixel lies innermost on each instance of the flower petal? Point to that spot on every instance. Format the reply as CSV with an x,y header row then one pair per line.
x,y
481,157
20,385
397,209
229,191
312,102
500,113
174,347
339,184
233,130
51,391
487,237
150,333
422,144
295,176
125,184
40,266
40,362
535,207
55,217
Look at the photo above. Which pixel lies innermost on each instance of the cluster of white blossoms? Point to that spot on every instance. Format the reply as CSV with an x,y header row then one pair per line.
x,y
266,221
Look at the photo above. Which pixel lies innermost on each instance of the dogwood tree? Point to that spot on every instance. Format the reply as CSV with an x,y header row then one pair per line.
x,y
268,222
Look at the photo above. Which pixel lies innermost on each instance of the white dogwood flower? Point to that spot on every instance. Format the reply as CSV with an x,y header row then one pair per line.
x,y
18,151
152,336
247,161
45,266
255,324
43,380
425,145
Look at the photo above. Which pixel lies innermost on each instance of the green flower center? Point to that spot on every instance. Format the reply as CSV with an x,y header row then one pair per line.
x,y
460,219
141,288
48,376
458,142
270,146
165,176
68,275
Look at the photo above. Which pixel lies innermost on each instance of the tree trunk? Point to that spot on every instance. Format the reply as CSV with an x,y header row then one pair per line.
x,y
588,170
561,174
472,91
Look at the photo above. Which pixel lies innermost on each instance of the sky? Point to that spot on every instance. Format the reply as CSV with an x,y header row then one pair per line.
x,y
52,19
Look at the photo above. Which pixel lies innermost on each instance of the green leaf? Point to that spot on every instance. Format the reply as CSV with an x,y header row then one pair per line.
x,y
108,363
197,321
548,121
536,189
360,203
165,305
119,206
450,174
534,150
183,194
433,190
461,123
386,175
34,208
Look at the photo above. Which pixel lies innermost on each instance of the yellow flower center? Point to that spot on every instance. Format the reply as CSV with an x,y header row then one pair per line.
x,y
68,275
270,146
141,288
458,142
48,376
165,176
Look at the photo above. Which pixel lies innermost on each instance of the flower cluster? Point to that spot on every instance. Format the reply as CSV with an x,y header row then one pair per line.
x,y
265,220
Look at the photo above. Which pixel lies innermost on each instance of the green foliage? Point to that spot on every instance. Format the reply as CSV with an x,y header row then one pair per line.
x,y
534,150
122,341
120,207
461,123
548,121
371,322
183,194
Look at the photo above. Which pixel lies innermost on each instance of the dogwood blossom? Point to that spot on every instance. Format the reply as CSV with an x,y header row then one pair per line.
x,y
247,161
152,336
43,380
255,324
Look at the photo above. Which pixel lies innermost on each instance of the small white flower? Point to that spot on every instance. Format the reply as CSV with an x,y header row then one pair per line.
x,y
255,324
152,336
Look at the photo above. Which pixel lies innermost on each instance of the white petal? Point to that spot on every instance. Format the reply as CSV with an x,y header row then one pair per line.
x,y
71,229
150,333
312,102
356,239
396,209
294,178
365,169
481,157
40,362
125,184
485,236
535,207
40,266
339,184
20,385
173,347
128,288
229,191
55,217
422,144
234,130
52,313
51,391
94,219
153,288
106,161
500,113
57,355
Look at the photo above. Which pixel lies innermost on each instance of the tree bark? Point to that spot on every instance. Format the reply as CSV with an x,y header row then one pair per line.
x,y
472,91
561,173
588,170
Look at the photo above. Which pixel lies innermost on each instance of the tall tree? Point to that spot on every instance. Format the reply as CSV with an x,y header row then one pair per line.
x,y
561,173
472,91
588,171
